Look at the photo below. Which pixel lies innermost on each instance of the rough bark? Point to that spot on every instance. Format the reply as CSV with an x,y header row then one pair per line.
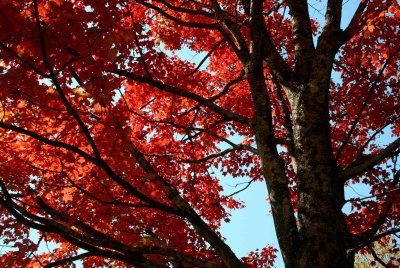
x,y
322,226
273,165
321,223
276,180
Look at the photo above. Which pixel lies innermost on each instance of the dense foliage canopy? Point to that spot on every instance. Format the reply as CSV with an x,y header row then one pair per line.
x,y
109,138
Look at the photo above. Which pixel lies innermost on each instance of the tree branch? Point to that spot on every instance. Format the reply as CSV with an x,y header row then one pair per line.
x,y
186,10
276,64
356,23
50,226
387,205
58,87
181,92
234,29
41,37
177,20
385,233
333,15
96,242
212,156
69,260
369,235
376,257
360,113
365,165
262,125
207,56
28,64
380,130
99,163
225,252
303,39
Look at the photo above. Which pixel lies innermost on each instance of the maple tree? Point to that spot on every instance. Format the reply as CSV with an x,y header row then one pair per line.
x,y
109,138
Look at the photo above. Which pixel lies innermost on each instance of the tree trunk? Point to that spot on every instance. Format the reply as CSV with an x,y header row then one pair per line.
x,y
322,227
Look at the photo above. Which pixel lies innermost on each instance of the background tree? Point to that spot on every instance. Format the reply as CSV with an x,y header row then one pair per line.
x,y
109,138
381,253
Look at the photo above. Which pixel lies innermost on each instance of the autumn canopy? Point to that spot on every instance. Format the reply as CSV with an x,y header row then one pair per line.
x,y
112,145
